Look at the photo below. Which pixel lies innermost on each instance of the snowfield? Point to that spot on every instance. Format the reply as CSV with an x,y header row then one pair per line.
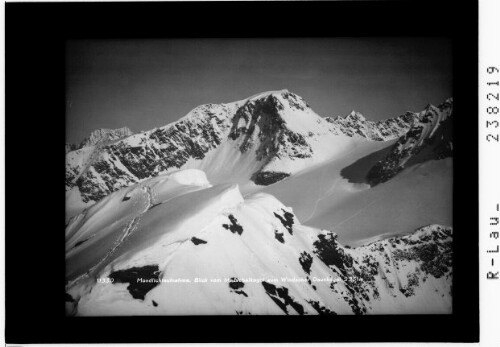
x,y
204,215
185,229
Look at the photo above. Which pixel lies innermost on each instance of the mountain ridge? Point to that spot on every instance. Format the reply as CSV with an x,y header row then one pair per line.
x,y
430,137
271,135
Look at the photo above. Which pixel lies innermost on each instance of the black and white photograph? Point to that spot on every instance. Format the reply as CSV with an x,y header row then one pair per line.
x,y
275,171
311,176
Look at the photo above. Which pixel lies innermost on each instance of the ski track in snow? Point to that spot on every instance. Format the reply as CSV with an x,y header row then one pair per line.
x,y
127,231
327,192
355,214
322,197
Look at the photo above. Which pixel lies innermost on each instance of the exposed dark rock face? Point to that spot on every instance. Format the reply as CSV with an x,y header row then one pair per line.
x,y
357,125
266,178
295,101
141,279
357,172
281,298
263,113
197,241
429,247
235,283
294,145
237,286
126,161
384,170
71,176
305,261
234,227
274,139
430,138
322,310
433,252
327,249
279,236
412,282
286,220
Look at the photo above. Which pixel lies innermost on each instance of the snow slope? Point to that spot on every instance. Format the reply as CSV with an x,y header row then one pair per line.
x,y
412,180
420,195
262,260
321,197
92,234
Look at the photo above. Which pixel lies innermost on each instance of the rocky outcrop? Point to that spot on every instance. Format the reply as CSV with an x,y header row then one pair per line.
x,y
355,124
430,138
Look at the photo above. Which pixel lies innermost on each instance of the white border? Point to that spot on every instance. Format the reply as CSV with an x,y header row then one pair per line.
x,y
489,172
489,183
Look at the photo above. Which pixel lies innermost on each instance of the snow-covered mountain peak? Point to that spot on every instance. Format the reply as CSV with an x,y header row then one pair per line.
x,y
283,100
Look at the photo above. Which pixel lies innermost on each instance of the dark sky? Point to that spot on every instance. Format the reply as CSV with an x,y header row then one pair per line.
x,y
145,84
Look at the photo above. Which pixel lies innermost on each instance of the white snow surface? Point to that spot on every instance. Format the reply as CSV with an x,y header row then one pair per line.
x,y
134,233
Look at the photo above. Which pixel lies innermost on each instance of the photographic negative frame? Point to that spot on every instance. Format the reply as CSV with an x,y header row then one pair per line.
x,y
36,35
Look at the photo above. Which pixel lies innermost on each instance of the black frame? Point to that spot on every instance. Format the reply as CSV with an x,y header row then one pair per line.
x,y
35,134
